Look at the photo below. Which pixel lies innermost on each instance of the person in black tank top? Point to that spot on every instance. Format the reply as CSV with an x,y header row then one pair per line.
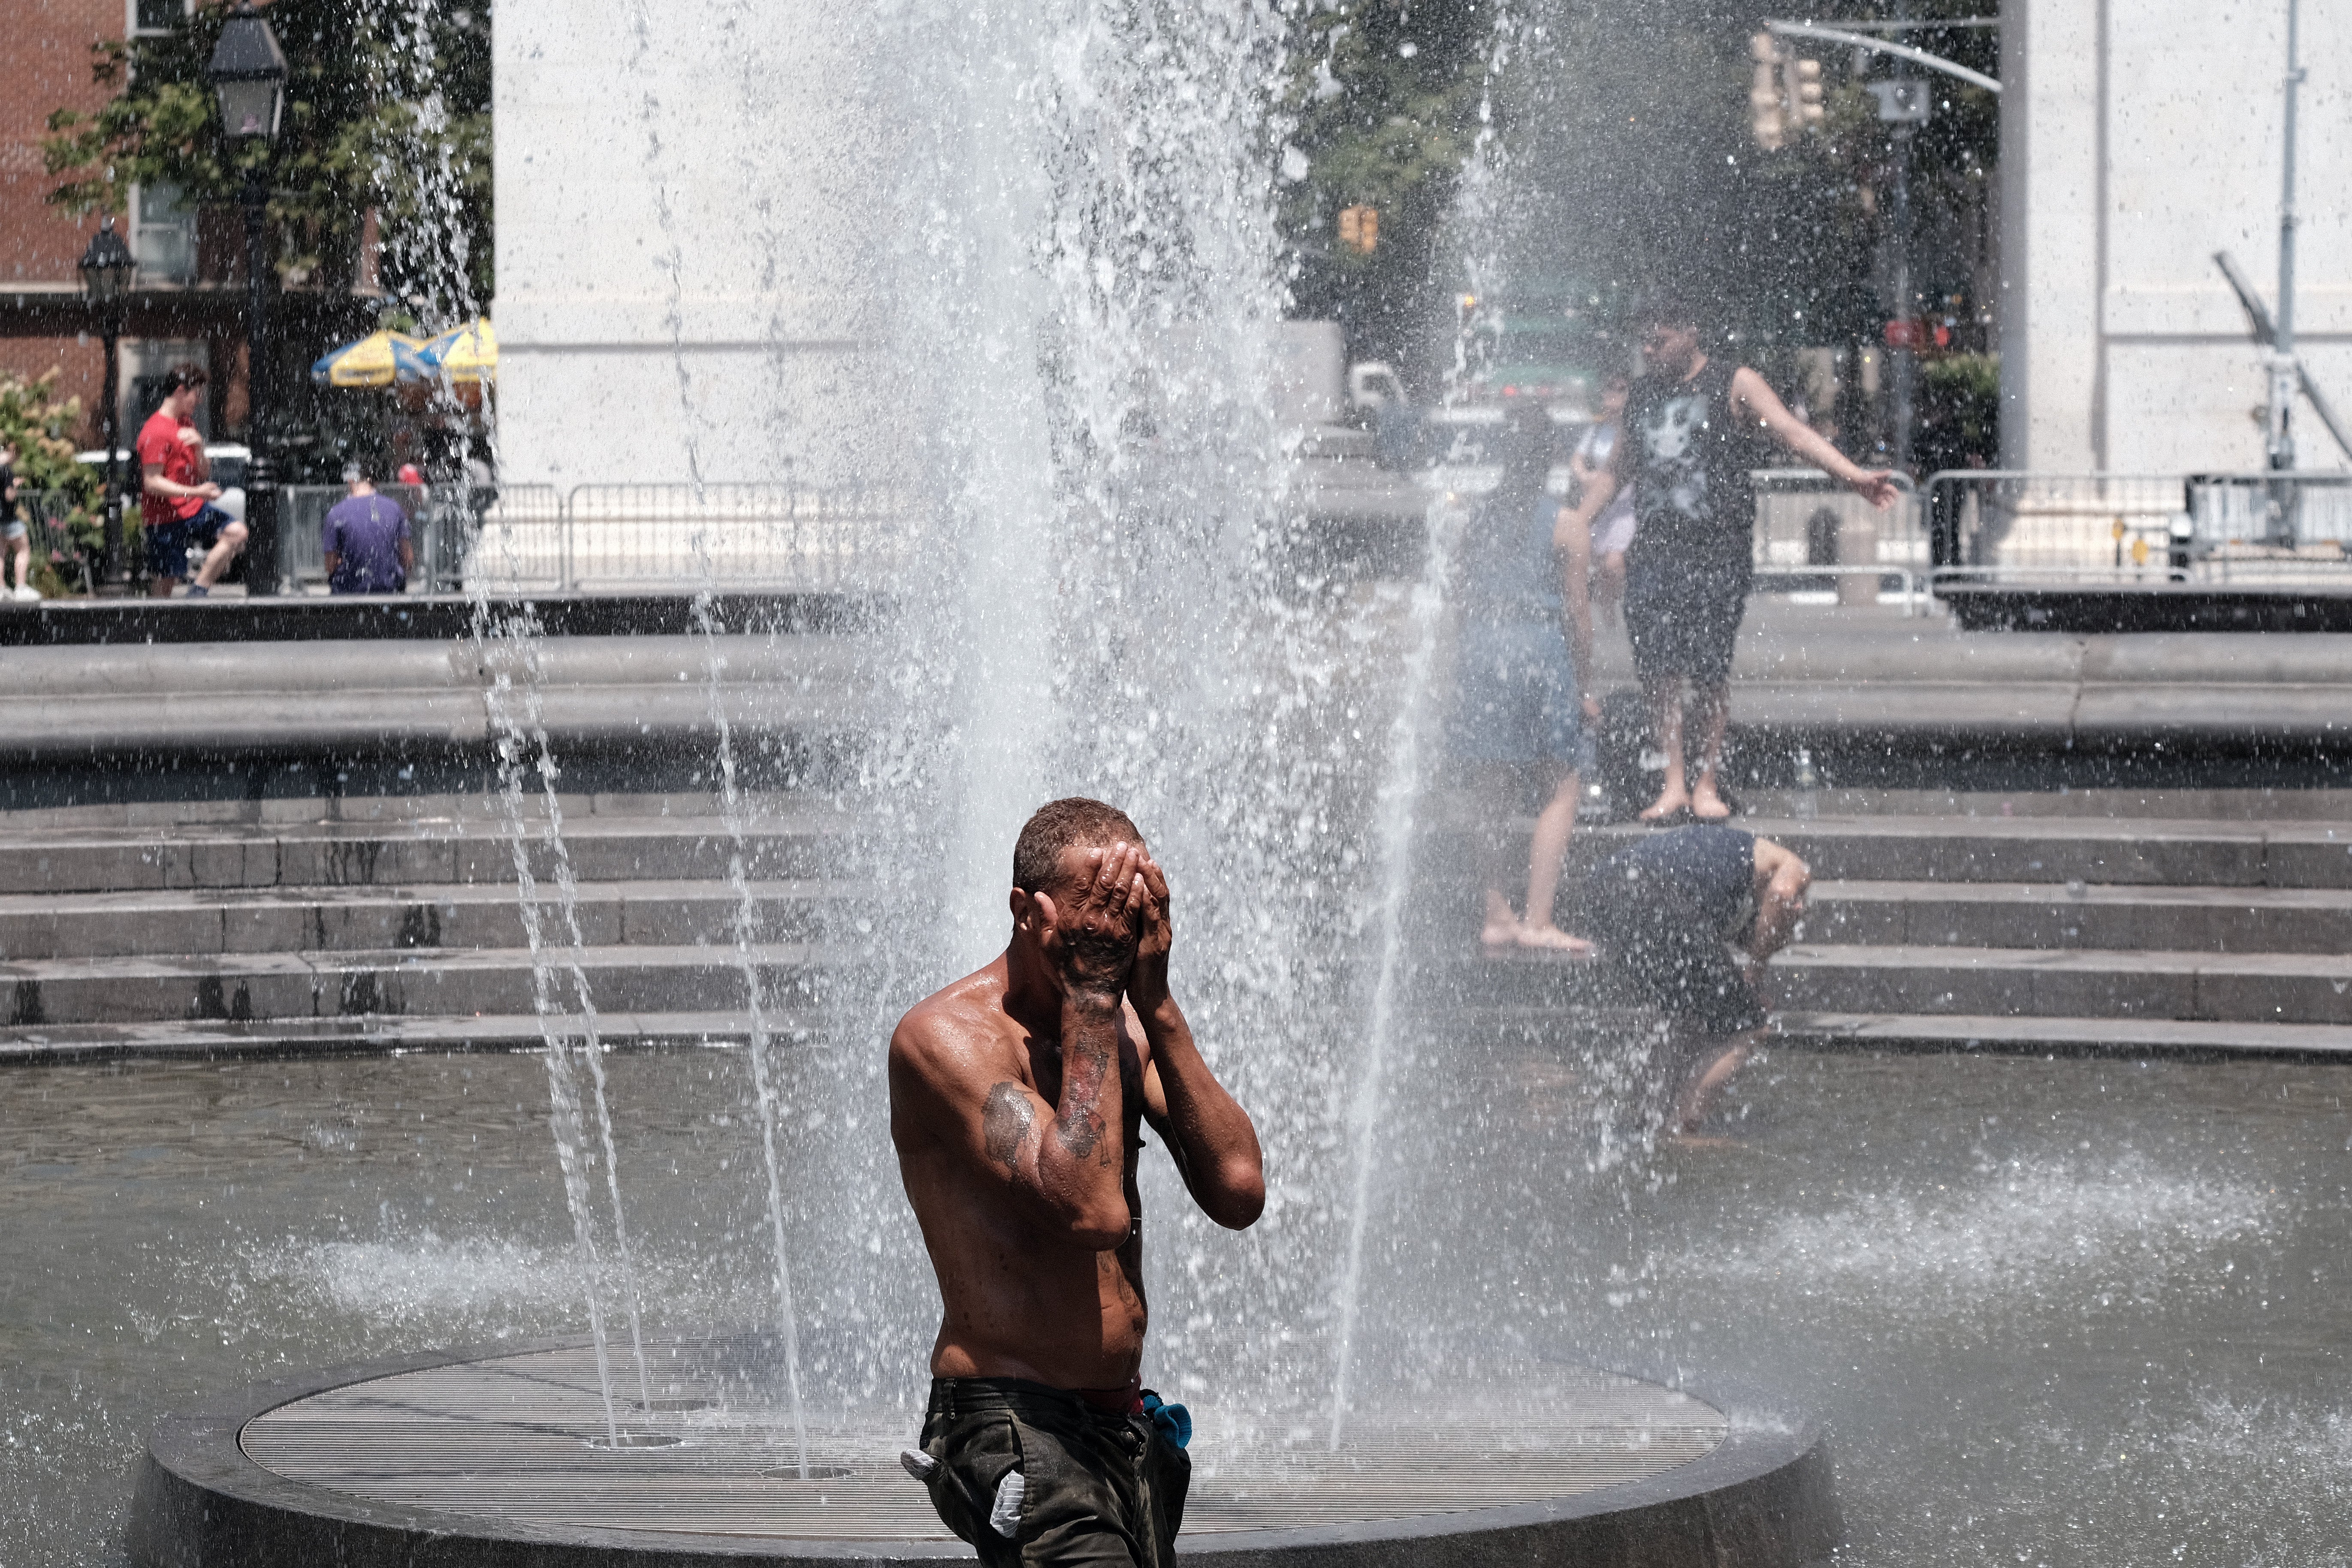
x,y
1693,425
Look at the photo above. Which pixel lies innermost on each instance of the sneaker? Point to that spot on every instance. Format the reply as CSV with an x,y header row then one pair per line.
x,y
28,594
198,591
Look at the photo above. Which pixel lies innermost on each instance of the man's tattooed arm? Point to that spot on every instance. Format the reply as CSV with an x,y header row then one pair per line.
x,y
1005,1123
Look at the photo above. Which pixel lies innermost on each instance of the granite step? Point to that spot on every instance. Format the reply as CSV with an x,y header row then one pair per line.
x,y
406,983
190,922
422,852
2141,852
1932,980
1548,1030
2080,915
2101,984
377,1033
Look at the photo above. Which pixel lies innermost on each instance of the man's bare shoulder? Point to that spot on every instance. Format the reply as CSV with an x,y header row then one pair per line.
x,y
957,1030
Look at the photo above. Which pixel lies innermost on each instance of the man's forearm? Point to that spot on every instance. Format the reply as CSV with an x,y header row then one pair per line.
x,y
1223,1165
1081,1164
1809,444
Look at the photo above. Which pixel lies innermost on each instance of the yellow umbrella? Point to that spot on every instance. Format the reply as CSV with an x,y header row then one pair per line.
x,y
377,360
469,355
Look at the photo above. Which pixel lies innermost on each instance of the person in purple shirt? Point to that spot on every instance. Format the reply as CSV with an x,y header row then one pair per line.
x,y
367,540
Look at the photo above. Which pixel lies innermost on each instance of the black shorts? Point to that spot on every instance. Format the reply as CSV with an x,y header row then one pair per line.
x,y
1095,1489
1684,619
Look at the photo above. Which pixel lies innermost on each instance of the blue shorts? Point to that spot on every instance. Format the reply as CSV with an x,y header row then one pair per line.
x,y
167,548
1517,698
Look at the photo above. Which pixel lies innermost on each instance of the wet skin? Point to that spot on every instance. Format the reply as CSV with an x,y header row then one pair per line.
x,y
1017,1100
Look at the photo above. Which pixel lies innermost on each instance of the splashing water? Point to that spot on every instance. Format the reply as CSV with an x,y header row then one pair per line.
x,y
434,254
1401,789
1106,601
745,922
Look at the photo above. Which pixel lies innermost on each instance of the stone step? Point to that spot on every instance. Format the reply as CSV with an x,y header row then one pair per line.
x,y
406,984
1545,1029
2021,849
379,1032
187,923
2095,984
2250,987
2145,852
425,852
2065,1037
2084,915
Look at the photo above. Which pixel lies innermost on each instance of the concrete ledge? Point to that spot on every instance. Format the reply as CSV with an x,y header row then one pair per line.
x,y
1762,1499
84,623
2155,607
2133,1038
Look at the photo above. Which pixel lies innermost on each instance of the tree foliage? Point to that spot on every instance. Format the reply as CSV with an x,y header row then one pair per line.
x,y
1383,107
388,109
39,427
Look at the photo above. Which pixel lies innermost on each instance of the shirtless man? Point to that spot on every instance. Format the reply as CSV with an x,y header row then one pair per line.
x,y
1015,1098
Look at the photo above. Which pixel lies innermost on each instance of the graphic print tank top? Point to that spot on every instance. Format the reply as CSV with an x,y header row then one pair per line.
x,y
1688,460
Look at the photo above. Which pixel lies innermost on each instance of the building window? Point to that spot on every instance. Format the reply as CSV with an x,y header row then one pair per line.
x,y
162,235
158,15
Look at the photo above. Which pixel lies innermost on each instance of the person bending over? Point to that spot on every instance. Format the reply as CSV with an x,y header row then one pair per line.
x,y
1689,444
1015,1098
1673,908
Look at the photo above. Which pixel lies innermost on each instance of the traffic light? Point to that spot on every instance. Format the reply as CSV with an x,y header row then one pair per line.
x,y
1359,229
1805,95
1764,117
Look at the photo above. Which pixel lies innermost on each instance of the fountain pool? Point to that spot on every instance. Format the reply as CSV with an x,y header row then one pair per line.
x,y
2064,1311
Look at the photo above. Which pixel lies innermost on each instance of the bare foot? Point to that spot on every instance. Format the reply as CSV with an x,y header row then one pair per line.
x,y
1706,803
1682,1139
1674,803
1552,938
1499,934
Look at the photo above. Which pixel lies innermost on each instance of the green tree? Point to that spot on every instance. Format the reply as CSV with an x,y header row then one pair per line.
x,y
388,108
1382,108
38,425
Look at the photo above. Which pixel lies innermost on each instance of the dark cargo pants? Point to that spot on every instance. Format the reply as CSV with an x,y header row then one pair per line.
x,y
1103,1490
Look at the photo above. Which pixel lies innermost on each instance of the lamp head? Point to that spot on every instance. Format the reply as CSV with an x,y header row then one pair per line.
x,y
248,72
108,268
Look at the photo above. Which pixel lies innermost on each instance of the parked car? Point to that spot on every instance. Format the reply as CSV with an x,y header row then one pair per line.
x,y
229,460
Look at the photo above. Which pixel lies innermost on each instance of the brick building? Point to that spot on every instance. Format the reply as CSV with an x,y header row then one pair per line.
x,y
189,302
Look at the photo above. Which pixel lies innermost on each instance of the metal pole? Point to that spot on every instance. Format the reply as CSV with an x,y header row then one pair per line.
x,y
1904,355
260,476
114,574
2283,378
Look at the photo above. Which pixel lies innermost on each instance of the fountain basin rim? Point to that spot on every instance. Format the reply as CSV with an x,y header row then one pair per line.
x,y
201,1501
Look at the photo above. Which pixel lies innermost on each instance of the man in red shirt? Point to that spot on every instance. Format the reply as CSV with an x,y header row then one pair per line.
x,y
176,496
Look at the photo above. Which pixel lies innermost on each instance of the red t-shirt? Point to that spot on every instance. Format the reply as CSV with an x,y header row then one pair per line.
x,y
160,443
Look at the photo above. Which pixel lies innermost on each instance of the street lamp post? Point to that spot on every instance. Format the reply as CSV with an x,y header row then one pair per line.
x,y
247,73
108,271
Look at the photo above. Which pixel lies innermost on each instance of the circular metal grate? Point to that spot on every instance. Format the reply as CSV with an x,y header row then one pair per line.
x,y
524,1439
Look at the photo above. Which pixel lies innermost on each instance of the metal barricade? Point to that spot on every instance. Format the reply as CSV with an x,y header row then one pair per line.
x,y
506,539
1997,526
1810,528
773,536
2265,524
48,517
